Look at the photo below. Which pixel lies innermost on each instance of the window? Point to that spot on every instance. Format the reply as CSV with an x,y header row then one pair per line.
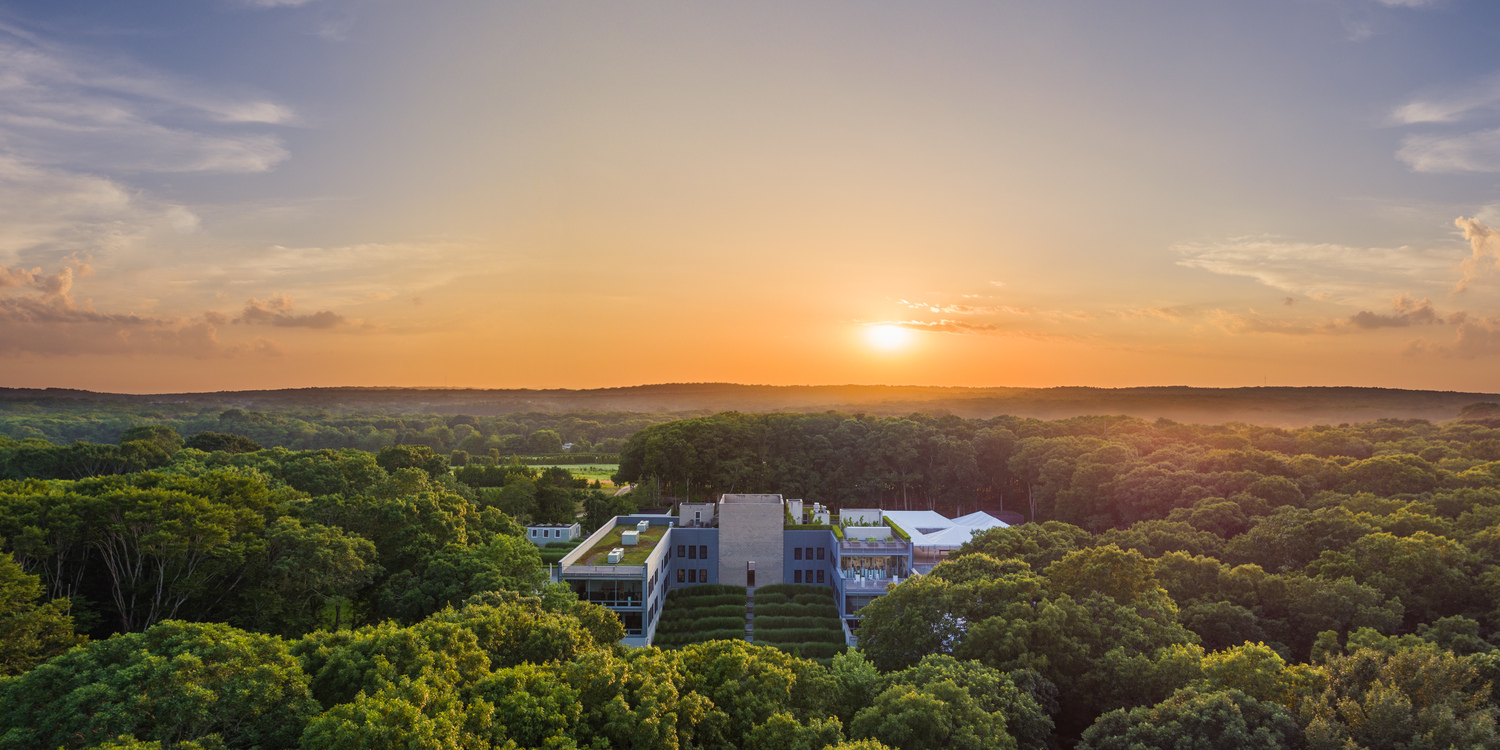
x,y
820,576
692,576
681,575
703,575
809,553
681,550
692,552
797,575
703,551
797,554
820,552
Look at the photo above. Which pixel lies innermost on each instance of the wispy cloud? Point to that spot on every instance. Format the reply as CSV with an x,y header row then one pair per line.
x,y
946,326
965,309
62,106
1452,104
1468,152
1338,273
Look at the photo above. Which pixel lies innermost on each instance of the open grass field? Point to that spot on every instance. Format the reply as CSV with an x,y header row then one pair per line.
x,y
593,472
634,554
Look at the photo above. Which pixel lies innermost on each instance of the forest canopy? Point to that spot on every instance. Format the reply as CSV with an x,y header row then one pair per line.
x,y
1172,585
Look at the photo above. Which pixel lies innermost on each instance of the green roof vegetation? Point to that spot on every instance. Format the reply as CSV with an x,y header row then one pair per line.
x,y
635,554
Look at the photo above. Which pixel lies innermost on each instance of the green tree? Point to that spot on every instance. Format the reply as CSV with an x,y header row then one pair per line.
x,y
397,457
210,442
175,682
1226,719
30,633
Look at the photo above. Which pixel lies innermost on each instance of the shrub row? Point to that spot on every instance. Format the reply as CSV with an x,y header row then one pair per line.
x,y
772,598
792,589
699,602
677,613
819,598
797,610
801,635
702,624
776,623
708,589
683,639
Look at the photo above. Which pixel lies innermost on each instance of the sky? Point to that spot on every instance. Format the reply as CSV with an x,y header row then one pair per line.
x,y
205,195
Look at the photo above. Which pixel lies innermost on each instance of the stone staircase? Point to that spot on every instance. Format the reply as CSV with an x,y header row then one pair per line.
x,y
750,614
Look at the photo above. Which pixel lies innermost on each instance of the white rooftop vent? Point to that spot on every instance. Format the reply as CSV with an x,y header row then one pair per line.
x,y
643,526
630,537
615,555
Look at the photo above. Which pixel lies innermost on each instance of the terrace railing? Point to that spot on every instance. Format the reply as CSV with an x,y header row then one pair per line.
x,y
604,571
893,548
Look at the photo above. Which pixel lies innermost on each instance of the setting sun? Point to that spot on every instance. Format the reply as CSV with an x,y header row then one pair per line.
x,y
888,337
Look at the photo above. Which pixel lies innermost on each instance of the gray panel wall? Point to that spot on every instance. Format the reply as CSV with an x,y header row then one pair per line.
x,y
751,532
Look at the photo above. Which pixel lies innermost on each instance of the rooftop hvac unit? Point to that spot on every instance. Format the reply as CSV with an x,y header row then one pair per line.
x,y
616,555
630,537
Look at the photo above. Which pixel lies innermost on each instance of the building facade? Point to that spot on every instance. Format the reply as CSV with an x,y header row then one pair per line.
x,y
742,540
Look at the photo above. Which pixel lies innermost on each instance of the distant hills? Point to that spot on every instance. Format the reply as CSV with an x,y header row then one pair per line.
x,y
1289,407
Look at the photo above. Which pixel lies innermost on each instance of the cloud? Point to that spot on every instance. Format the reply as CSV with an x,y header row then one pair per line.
x,y
945,326
54,325
1337,273
1471,152
1164,313
1474,339
55,284
1484,244
965,309
1255,323
1451,105
1406,312
277,311
65,107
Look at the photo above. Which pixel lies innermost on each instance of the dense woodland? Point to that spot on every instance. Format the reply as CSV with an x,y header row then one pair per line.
x,y
1177,586
64,421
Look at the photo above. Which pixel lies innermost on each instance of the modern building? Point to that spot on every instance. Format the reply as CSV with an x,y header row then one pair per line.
x,y
630,563
543,534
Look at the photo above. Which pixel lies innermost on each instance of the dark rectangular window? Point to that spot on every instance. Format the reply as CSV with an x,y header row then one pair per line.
x,y
820,576
681,575
692,576
821,550
797,553
703,575
703,552
692,553
797,577
809,553
681,551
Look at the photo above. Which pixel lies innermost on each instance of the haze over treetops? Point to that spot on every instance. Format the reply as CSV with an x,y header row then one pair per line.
x,y
258,194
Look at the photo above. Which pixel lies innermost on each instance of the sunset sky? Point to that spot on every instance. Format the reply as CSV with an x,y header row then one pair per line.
x,y
229,194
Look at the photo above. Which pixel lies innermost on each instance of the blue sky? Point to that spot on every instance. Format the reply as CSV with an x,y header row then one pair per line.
x,y
217,194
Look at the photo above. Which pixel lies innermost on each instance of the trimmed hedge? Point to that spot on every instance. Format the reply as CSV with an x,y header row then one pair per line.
x,y
699,602
777,623
797,610
695,613
813,599
800,635
792,589
684,639
772,598
702,623
707,589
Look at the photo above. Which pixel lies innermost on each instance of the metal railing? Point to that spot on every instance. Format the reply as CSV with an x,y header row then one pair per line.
x,y
854,546
609,571
868,584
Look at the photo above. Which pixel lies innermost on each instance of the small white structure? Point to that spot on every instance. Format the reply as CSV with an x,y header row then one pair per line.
x,y
543,534
642,527
818,514
615,556
631,537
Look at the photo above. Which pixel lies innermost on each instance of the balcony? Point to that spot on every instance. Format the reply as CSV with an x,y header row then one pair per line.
x,y
868,585
848,547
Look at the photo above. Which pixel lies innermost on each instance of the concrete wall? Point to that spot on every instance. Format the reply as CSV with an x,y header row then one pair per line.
x,y
875,533
751,532
809,540
860,515
686,511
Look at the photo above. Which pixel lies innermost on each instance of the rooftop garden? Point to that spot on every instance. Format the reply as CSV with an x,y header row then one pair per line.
x,y
695,614
635,554
799,619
